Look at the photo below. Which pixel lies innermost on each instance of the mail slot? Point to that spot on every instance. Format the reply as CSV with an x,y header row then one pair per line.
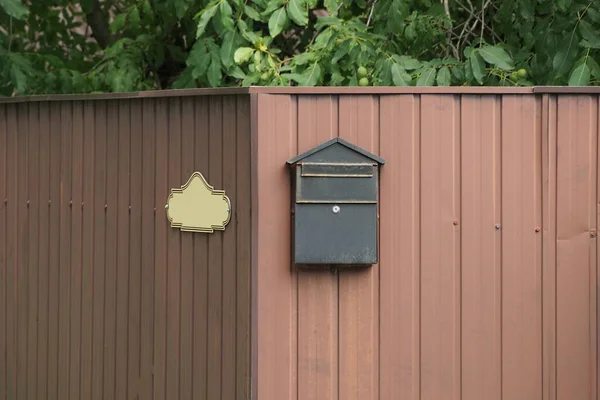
x,y
336,194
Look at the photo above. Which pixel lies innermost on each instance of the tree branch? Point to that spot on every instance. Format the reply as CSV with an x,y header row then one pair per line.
x,y
371,13
98,23
449,32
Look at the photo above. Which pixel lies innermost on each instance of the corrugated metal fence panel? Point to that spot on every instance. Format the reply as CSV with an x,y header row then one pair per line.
x,y
99,298
487,281
576,251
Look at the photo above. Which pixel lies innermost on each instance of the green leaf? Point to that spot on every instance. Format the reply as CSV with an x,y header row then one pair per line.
x,y
526,9
118,23
272,6
594,67
327,21
427,77
294,77
252,13
342,51
588,32
312,75
565,56
146,7
304,58
246,33
237,73
332,7
198,60
383,71
214,73
297,12
185,80
594,14
19,69
580,76
277,22
399,76
205,17
458,73
444,77
226,14
14,8
496,56
258,60
406,62
134,18
251,79
563,5
228,48
477,66
181,7
243,54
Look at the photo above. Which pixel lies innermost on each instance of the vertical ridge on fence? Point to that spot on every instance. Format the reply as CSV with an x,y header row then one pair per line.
x,y
174,259
3,265
549,200
521,247
440,247
110,261
399,250
229,249
11,252
161,255
33,208
76,252
54,259
148,265
242,219
44,250
576,259
277,280
23,255
481,229
121,156
88,240
99,249
64,241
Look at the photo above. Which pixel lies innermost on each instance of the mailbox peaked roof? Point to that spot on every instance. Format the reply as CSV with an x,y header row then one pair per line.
x,y
332,142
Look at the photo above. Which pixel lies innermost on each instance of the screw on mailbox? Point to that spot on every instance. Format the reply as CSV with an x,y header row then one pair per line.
x,y
335,209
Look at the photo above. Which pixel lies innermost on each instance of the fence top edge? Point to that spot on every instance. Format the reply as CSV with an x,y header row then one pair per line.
x,y
318,90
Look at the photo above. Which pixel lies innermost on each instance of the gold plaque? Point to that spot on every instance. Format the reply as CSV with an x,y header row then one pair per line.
x,y
198,207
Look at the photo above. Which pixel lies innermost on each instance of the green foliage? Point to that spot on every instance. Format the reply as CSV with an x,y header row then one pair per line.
x,y
48,46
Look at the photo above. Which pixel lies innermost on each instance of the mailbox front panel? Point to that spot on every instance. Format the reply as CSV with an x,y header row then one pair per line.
x,y
335,234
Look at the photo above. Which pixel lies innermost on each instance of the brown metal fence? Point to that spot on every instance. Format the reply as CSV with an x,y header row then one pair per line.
x,y
487,282
487,285
99,298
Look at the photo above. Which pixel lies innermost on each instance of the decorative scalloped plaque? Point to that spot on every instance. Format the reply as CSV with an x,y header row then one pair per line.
x,y
198,207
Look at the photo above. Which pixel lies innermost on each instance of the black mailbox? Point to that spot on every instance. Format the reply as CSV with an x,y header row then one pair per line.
x,y
335,196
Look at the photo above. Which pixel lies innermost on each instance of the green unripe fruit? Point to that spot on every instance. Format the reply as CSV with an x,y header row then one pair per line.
x,y
363,82
265,76
362,72
522,73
